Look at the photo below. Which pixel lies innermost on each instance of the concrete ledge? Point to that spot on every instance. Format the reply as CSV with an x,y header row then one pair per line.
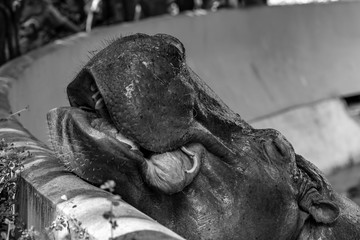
x,y
48,190
322,132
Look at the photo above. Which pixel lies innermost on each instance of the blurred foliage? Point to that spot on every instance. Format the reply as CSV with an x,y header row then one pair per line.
x,y
11,164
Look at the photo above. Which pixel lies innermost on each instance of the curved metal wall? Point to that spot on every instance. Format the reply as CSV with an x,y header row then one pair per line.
x,y
259,60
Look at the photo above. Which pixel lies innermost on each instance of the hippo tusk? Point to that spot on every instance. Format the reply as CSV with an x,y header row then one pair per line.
x,y
99,104
193,157
95,95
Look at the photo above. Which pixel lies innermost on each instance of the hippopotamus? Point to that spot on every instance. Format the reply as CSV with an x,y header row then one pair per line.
x,y
141,117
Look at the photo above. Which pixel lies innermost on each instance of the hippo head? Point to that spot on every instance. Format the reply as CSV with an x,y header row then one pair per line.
x,y
141,117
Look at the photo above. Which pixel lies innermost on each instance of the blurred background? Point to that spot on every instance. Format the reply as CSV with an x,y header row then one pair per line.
x,y
29,24
291,65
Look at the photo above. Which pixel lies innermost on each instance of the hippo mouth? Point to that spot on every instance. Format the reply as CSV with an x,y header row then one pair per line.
x,y
169,171
92,103
104,123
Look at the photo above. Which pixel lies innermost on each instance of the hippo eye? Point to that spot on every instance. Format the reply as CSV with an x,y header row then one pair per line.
x,y
278,149
173,42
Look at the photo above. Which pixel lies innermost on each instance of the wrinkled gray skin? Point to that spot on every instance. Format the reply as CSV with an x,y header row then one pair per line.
x,y
141,117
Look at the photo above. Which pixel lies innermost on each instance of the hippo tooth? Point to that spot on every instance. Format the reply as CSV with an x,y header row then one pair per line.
x,y
193,157
95,95
123,139
99,104
86,108
93,87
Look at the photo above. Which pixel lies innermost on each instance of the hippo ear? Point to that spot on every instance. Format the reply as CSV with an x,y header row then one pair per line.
x,y
324,211
316,193
173,41
321,210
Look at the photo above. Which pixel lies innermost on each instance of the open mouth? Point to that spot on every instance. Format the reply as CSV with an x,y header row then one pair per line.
x,y
169,171
94,102
104,124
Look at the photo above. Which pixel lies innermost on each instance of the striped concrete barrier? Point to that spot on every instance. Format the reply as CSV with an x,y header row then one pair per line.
x,y
48,193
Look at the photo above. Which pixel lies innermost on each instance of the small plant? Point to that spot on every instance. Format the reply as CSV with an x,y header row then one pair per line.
x,y
73,226
11,164
109,215
29,234
60,223
18,113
